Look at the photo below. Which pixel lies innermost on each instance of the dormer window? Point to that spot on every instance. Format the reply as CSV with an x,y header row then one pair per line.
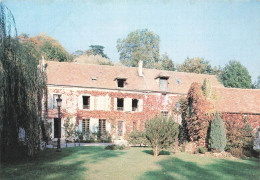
x,y
121,82
163,83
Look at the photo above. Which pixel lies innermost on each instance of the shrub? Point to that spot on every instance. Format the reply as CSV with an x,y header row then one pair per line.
x,y
111,147
161,133
237,152
217,139
202,150
137,138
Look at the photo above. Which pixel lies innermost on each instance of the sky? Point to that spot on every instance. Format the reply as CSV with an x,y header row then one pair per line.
x,y
218,31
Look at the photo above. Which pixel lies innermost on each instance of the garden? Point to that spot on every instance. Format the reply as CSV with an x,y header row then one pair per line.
x,y
130,163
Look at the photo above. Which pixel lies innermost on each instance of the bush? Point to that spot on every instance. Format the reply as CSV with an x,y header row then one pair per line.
x,y
217,139
111,147
202,150
237,152
137,138
115,147
161,133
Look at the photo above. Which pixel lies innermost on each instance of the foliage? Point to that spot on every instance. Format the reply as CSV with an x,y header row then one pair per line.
x,y
48,47
70,129
167,63
239,132
257,83
137,138
96,50
161,133
22,87
93,59
217,139
197,65
115,147
139,45
196,115
202,150
206,88
236,75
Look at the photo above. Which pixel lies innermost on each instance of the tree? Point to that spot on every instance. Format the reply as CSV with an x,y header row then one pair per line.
x,y
139,45
69,128
196,114
217,139
161,133
257,83
22,88
206,88
96,50
236,75
167,63
196,65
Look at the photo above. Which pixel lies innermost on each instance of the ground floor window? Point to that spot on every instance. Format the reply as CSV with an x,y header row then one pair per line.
x,y
85,125
120,128
102,126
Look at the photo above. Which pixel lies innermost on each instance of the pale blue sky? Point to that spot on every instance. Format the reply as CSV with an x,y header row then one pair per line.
x,y
216,31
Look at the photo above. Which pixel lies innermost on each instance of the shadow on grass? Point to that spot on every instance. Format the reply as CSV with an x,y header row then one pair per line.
x,y
163,152
175,168
69,164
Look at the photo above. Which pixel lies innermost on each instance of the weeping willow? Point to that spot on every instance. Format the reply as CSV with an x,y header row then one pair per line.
x,y
22,88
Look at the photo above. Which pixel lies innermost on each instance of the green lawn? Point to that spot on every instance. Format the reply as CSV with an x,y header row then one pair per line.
x,y
134,163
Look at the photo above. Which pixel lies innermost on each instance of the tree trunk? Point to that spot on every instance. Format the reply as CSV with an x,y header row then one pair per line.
x,y
156,151
176,148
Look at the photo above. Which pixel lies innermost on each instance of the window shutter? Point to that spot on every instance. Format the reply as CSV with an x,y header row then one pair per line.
x,y
128,104
140,104
108,103
92,103
50,101
80,102
80,125
108,126
115,104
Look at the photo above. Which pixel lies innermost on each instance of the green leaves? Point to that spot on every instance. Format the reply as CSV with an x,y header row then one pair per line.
x,y
236,75
139,45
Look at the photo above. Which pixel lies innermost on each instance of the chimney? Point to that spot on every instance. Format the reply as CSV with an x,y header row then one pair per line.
x,y
140,68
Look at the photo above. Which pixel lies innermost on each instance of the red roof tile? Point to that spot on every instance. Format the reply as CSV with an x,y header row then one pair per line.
x,y
238,100
73,74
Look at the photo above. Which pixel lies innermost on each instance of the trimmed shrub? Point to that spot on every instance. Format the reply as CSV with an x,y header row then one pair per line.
x,y
202,150
237,152
111,147
161,133
217,139
137,138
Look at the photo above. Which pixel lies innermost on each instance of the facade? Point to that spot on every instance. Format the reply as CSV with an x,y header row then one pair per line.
x,y
118,99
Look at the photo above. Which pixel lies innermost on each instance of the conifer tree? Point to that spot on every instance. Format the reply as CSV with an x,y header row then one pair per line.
x,y
217,139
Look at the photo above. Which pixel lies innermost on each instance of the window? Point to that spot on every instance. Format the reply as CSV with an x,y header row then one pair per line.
x,y
85,125
134,126
102,126
134,104
120,104
55,97
120,128
163,83
164,114
121,83
86,102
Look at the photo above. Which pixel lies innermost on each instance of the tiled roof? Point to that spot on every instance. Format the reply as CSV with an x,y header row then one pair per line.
x,y
73,74
238,100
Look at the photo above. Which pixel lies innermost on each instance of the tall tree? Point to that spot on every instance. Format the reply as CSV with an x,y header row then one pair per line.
x,y
22,86
235,75
167,63
139,45
217,139
96,50
196,65
257,83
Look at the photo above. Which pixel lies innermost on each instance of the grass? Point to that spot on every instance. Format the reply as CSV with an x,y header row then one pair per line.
x,y
133,163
